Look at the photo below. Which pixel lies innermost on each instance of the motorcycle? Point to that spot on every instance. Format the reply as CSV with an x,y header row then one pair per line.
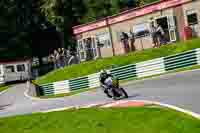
x,y
113,89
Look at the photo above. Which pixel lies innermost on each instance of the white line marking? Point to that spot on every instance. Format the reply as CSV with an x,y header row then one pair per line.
x,y
195,115
180,110
58,109
3,92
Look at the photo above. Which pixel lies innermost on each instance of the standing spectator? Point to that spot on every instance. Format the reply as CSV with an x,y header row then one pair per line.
x,y
132,38
51,60
89,53
57,59
63,51
125,42
63,57
99,47
67,53
67,56
160,34
59,51
154,36
61,60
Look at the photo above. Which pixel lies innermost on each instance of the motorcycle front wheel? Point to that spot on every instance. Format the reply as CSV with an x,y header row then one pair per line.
x,y
124,93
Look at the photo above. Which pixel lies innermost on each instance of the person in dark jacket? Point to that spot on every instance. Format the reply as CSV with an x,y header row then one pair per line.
x,y
103,77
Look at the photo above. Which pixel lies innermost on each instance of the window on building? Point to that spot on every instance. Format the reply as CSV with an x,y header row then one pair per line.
x,y
104,38
141,30
192,18
10,69
21,68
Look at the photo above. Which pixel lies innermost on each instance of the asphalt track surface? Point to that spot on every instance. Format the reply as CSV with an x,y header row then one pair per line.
x,y
180,89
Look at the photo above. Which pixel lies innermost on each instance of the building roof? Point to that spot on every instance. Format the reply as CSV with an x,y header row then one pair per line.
x,y
129,14
123,12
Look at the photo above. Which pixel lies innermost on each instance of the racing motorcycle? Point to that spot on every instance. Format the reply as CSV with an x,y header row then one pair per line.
x,y
113,89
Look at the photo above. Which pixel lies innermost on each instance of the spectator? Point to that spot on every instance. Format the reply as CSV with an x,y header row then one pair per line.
x,y
63,57
59,51
57,59
161,35
154,36
132,38
51,60
67,53
63,51
125,42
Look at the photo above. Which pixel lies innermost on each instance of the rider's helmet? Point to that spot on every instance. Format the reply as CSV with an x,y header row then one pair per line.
x,y
108,72
103,72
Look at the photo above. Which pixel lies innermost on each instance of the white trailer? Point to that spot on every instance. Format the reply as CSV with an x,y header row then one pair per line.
x,y
15,71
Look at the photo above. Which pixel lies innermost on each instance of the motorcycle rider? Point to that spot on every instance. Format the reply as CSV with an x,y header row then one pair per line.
x,y
104,75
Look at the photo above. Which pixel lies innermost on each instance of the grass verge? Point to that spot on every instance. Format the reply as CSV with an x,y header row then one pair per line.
x,y
96,65
4,87
120,120
195,67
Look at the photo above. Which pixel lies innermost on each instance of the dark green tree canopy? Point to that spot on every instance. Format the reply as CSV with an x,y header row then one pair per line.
x,y
21,19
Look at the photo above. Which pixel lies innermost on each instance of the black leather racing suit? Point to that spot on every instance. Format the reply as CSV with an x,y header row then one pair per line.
x,y
103,77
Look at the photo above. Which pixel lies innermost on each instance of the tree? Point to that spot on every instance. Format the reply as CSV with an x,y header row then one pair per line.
x,y
64,14
132,3
19,19
13,36
54,11
97,10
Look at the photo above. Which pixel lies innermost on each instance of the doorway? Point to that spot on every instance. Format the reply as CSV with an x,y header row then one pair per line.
x,y
89,50
163,22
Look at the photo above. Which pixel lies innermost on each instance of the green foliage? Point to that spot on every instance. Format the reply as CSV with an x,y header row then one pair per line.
x,y
96,10
18,19
96,120
90,67
4,87
54,10
102,8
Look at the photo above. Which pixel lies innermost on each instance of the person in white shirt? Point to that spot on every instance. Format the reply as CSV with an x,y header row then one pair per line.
x,y
154,35
161,34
